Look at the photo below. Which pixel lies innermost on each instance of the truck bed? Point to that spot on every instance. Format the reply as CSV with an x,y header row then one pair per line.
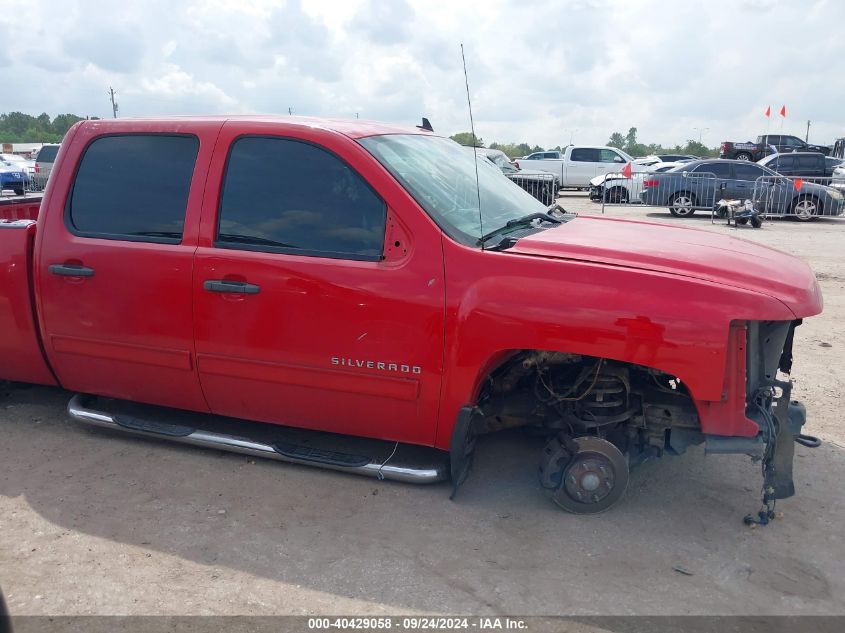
x,y
20,207
20,345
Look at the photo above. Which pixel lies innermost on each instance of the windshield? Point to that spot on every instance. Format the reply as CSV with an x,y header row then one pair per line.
x,y
501,162
440,175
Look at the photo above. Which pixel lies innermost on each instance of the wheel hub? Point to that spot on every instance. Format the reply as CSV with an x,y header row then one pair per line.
x,y
594,479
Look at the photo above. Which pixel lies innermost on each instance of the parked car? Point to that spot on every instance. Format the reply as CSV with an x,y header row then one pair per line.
x,y
664,158
540,184
801,164
768,144
618,189
700,184
837,180
342,276
554,155
24,164
44,165
577,165
13,177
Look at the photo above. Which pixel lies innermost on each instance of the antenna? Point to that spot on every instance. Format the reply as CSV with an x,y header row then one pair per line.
x,y
474,152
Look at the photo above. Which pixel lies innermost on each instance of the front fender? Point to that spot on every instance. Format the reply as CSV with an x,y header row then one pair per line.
x,y
679,325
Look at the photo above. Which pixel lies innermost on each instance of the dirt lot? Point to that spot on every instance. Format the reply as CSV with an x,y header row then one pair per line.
x,y
92,523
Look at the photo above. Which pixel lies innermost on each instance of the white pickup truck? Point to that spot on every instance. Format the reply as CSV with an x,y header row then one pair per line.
x,y
577,165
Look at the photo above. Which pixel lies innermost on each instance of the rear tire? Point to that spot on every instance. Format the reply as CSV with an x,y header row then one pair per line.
x,y
682,204
806,208
18,192
756,221
743,156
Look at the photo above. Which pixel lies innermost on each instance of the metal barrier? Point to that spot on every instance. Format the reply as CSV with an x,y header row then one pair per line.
x,y
802,198
682,192
543,186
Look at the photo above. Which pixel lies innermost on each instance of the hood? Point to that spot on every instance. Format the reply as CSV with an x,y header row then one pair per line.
x,y
532,172
685,252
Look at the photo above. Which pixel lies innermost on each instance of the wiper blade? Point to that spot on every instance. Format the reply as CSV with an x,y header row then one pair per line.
x,y
526,220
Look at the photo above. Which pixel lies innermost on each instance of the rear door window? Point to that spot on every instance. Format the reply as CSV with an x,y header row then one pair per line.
x,y
748,172
133,187
585,155
289,196
720,170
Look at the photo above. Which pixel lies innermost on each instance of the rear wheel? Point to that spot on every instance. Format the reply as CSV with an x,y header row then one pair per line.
x,y
743,156
682,204
806,208
18,192
756,221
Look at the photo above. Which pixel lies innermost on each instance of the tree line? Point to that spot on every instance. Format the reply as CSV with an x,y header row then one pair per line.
x,y
626,142
17,127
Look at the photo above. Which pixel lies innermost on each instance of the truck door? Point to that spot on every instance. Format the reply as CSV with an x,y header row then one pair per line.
x,y
582,166
318,296
114,263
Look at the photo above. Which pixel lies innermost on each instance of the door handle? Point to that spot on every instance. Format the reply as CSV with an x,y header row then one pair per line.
x,y
70,270
234,287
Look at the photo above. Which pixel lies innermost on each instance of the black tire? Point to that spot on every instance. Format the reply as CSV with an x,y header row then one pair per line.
x,y
742,221
756,221
616,195
18,192
806,208
682,204
743,156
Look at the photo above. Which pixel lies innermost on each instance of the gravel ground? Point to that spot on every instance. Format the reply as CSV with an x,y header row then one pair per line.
x,y
94,523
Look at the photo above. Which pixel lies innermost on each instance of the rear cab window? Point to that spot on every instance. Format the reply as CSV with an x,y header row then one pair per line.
x,y
47,154
289,196
133,187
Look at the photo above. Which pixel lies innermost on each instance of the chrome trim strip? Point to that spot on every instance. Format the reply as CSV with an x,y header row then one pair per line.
x,y
208,439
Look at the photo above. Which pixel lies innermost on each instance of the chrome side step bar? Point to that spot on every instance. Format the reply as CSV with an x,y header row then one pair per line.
x,y
417,474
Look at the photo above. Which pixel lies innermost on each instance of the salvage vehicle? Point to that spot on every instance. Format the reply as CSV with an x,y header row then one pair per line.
x,y
801,164
768,144
700,184
577,165
365,280
621,189
540,184
13,178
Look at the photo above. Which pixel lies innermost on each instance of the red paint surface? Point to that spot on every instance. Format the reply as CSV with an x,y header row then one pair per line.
x,y
143,328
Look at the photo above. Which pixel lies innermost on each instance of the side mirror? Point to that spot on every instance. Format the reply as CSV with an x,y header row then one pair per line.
x,y
618,159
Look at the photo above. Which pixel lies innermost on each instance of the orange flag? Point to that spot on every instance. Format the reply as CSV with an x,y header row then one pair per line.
x,y
626,170
768,111
798,182
783,111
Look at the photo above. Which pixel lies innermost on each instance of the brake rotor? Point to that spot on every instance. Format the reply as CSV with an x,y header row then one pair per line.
x,y
594,479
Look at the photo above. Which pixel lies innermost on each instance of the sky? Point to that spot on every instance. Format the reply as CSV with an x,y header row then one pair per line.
x,y
544,72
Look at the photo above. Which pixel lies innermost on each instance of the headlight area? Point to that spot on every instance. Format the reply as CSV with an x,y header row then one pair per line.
x,y
769,404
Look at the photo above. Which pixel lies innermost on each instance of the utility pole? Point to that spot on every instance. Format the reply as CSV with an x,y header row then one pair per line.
x,y
113,104
290,111
807,135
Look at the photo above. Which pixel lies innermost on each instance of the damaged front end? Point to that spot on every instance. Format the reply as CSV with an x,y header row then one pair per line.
x,y
769,405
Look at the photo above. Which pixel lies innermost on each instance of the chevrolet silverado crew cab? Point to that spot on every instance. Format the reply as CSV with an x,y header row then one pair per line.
x,y
362,280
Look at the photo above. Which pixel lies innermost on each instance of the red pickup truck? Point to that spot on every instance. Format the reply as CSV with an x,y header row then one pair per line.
x,y
363,279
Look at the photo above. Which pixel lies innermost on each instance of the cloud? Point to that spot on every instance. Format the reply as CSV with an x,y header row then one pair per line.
x,y
543,71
